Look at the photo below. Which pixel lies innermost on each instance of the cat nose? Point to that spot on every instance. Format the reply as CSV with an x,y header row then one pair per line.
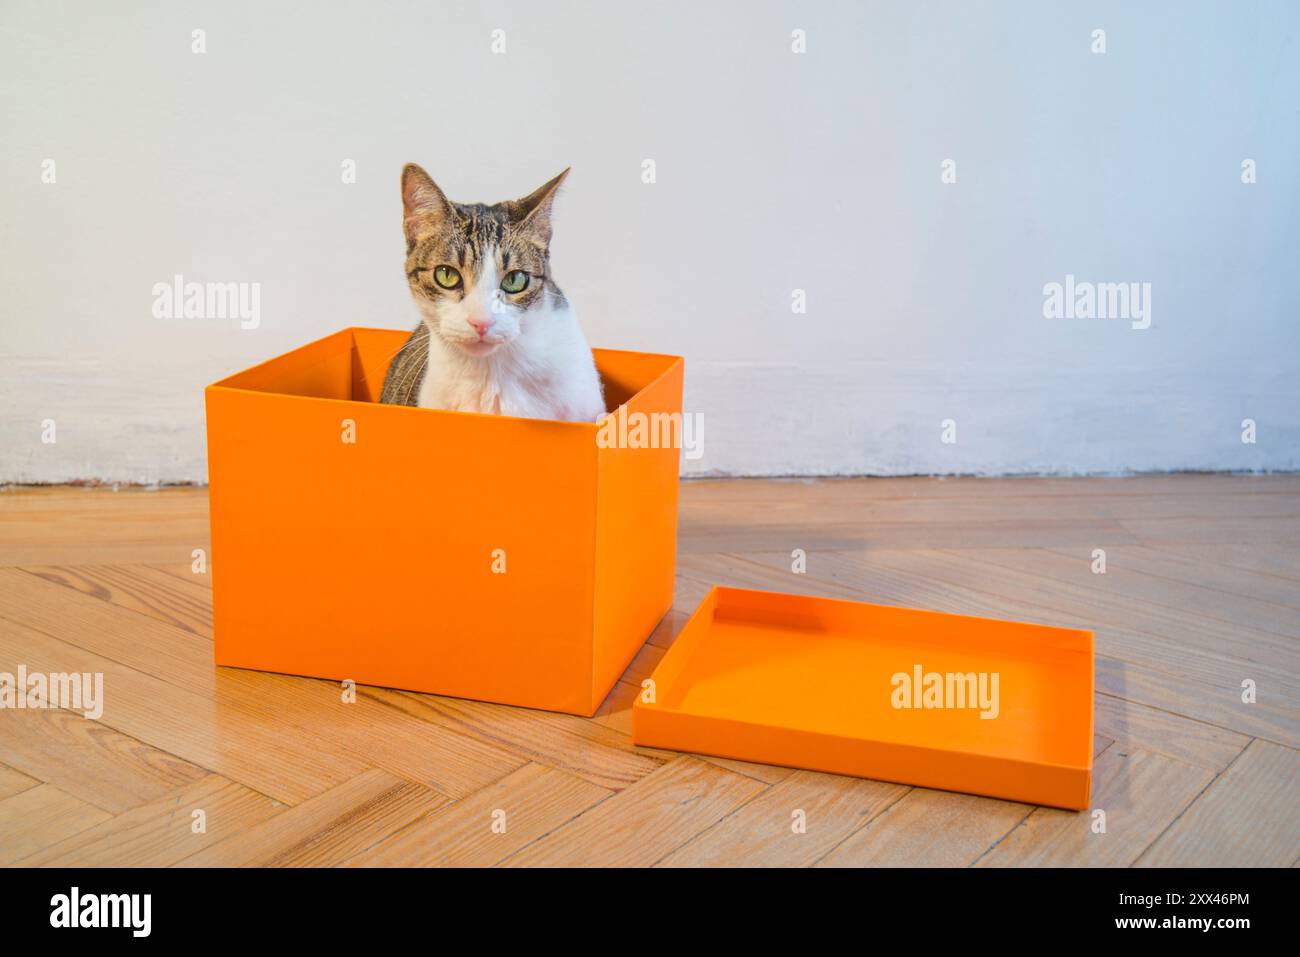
x,y
480,326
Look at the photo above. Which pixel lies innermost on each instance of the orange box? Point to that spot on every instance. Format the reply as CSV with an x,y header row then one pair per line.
x,y
815,683
480,556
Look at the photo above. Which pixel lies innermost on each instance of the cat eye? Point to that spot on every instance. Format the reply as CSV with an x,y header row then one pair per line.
x,y
516,281
446,277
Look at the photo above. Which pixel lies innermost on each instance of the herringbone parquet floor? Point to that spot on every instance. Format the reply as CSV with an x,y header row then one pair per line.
x,y
1201,593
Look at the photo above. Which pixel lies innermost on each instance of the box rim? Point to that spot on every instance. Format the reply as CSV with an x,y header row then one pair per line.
x,y
223,386
1080,632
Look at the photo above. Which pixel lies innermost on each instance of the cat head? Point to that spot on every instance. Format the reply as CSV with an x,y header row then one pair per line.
x,y
478,273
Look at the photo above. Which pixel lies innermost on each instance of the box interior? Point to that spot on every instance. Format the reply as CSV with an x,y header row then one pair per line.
x,y
825,666
350,365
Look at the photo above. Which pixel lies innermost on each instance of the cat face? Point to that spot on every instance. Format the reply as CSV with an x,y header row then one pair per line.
x,y
478,273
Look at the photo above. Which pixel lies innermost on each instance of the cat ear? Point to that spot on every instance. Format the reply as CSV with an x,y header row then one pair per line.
x,y
423,203
533,212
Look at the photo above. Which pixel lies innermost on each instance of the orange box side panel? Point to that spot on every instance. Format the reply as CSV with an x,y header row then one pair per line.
x,y
374,560
636,515
321,369
375,349
810,682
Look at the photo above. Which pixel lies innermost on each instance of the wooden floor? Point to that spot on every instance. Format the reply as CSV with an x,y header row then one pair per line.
x,y
1201,593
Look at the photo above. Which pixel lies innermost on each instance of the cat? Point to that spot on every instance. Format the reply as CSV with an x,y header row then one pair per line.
x,y
496,333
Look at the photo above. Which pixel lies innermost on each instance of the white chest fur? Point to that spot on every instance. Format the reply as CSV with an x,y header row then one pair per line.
x,y
546,372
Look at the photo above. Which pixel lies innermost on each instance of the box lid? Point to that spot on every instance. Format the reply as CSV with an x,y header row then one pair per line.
x,y
998,708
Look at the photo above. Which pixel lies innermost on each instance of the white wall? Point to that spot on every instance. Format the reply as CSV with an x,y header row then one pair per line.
x,y
776,171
